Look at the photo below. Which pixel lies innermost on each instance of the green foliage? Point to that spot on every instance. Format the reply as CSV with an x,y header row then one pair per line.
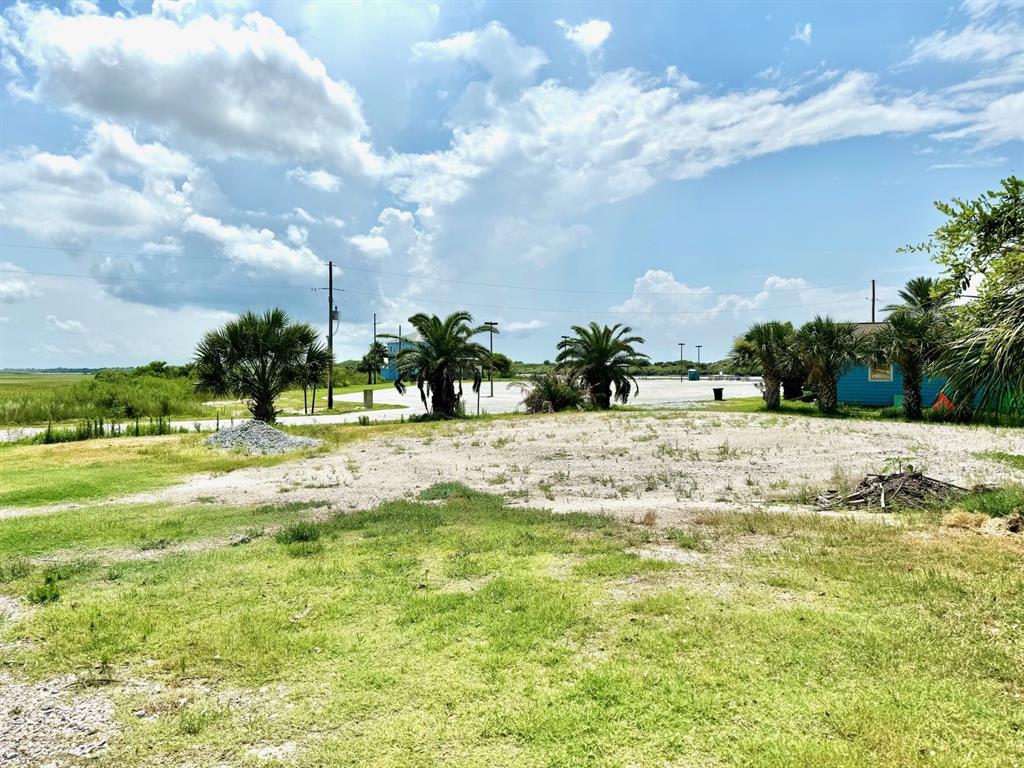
x,y
826,348
550,391
600,360
256,357
978,234
299,532
502,365
769,346
443,356
998,502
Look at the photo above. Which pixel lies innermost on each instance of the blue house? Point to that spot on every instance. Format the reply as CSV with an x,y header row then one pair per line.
x,y
880,384
389,372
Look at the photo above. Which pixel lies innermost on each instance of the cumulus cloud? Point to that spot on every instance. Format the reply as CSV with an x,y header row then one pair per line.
x,y
588,36
658,292
65,326
87,195
14,289
252,247
492,48
396,233
236,87
317,179
523,327
803,33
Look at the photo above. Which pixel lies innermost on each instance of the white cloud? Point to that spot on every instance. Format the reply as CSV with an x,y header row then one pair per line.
x,y
679,79
658,292
803,33
86,196
588,36
168,246
297,235
253,247
492,48
65,326
523,327
397,234
14,289
317,179
1000,121
236,87
972,43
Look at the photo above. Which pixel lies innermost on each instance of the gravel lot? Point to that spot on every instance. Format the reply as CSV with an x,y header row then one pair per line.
x,y
623,463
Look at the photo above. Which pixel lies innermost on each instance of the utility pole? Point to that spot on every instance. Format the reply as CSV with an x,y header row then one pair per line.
x,y
491,326
331,315
373,348
698,355
872,301
681,345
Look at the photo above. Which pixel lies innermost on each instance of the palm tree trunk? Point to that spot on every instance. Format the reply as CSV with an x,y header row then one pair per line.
x,y
912,393
770,387
313,409
305,403
827,397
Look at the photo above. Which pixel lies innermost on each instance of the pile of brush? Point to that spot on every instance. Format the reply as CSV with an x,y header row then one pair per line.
x,y
906,490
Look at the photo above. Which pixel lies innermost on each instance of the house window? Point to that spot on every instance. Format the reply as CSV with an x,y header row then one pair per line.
x,y
880,372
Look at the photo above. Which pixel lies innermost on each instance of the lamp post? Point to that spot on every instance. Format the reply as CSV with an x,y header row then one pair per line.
x,y
698,355
492,326
681,371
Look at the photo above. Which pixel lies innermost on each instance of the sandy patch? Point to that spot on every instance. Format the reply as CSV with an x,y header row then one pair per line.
x,y
626,464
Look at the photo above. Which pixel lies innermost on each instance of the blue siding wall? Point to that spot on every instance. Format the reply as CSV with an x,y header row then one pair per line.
x,y
854,388
389,372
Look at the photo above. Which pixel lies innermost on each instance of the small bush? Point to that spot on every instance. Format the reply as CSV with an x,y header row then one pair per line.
x,y
688,540
999,502
47,592
549,391
299,532
441,491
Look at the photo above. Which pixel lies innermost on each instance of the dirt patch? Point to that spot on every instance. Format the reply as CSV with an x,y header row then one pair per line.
x,y
51,723
627,464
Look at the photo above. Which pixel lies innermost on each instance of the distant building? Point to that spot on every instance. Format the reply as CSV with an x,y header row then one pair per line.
x,y
881,384
389,372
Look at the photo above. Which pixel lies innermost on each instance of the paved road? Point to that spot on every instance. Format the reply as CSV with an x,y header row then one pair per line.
x,y
654,393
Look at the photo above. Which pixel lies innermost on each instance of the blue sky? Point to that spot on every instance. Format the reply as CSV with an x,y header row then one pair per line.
x,y
684,168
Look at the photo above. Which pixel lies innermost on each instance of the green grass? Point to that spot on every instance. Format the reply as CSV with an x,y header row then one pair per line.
x,y
1012,459
461,632
998,502
139,526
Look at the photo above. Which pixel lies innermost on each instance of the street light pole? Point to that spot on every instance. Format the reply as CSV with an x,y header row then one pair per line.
x,y
698,355
681,345
491,326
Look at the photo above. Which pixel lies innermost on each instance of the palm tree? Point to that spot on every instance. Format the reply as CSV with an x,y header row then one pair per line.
x,y
984,363
826,348
443,355
766,345
254,357
923,293
313,370
599,358
910,338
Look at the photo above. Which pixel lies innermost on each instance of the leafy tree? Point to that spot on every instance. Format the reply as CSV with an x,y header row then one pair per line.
x,y
600,358
766,345
502,365
444,354
313,371
984,362
254,357
979,234
826,348
984,238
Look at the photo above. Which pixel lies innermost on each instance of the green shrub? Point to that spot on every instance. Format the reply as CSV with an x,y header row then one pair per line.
x,y
549,391
47,592
998,502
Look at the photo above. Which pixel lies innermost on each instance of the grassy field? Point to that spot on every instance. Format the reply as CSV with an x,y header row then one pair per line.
x,y
457,631
33,398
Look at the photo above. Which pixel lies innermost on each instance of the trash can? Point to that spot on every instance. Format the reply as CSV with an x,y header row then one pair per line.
x,y
718,392
367,398
693,374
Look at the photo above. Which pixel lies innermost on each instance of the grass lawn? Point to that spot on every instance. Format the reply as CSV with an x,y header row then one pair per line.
x,y
457,631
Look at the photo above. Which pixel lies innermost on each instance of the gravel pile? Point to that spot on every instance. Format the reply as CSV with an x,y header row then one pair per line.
x,y
258,437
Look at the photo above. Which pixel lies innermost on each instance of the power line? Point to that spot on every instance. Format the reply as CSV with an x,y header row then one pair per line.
x,y
454,281
433,301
